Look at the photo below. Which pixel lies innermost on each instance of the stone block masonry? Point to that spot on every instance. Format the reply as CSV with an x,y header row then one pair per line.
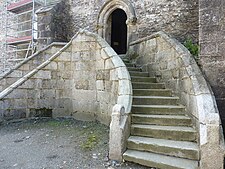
x,y
84,79
29,64
172,63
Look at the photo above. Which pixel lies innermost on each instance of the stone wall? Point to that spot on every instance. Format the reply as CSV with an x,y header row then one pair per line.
x,y
84,79
179,18
212,47
172,63
5,21
53,27
28,65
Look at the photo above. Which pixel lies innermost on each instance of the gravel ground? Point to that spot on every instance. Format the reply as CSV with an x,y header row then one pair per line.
x,y
56,144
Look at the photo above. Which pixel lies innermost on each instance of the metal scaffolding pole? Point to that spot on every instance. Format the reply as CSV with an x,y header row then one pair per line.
x,y
20,29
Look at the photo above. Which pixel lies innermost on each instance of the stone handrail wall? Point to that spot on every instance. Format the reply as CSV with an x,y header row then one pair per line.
x,y
28,64
172,63
84,79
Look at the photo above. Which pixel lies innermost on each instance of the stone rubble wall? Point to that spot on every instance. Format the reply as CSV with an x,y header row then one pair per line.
x,y
54,24
212,48
172,63
179,18
84,79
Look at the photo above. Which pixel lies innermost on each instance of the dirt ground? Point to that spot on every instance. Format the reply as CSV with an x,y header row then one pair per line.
x,y
56,144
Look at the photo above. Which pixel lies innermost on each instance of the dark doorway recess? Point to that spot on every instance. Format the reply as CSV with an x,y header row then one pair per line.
x,y
119,31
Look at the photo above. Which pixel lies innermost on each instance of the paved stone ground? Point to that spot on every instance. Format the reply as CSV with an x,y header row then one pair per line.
x,y
56,144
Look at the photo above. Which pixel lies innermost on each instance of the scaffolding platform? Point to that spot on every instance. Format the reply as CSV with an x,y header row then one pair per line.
x,y
20,40
22,5
20,23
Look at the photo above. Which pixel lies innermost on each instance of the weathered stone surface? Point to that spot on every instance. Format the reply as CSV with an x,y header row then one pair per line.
x,y
211,38
78,87
173,17
186,79
116,134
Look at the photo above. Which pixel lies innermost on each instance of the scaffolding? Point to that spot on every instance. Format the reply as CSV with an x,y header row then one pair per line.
x,y
20,30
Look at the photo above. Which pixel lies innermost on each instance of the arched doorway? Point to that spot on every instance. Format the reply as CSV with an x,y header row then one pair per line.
x,y
104,26
118,31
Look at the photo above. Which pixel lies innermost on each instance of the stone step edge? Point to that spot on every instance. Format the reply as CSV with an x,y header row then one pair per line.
x,y
159,161
191,148
156,97
160,106
182,117
165,128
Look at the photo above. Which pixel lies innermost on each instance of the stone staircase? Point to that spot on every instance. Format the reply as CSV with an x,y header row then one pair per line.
x,y
162,135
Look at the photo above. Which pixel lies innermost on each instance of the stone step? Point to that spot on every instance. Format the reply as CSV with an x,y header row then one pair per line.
x,y
144,85
155,100
164,132
134,69
159,161
124,57
158,109
182,149
143,79
138,73
129,64
163,120
152,92
126,61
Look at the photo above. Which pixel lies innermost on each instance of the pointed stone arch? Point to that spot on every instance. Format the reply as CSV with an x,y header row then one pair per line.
x,y
106,11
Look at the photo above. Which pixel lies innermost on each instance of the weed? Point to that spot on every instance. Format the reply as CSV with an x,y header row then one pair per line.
x,y
57,123
192,47
90,143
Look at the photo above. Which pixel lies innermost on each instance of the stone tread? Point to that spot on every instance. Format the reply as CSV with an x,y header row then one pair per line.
x,y
159,161
155,97
129,64
152,89
143,83
162,116
182,149
139,77
158,109
161,106
134,68
164,143
138,73
147,85
152,92
166,128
